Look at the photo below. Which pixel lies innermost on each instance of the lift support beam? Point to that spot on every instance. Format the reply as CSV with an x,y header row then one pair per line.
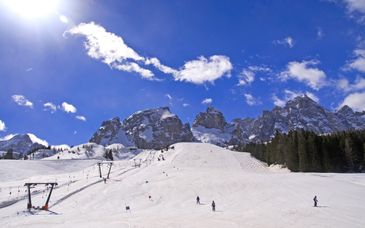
x,y
30,185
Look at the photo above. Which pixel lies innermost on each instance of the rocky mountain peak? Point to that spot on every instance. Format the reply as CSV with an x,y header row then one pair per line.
x,y
211,118
148,129
345,110
111,131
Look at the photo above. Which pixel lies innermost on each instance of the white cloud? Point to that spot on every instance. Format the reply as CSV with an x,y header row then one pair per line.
x,y
69,108
110,49
277,101
2,126
113,51
355,5
359,62
355,100
204,70
345,85
156,63
22,101
251,100
134,67
185,105
306,72
248,75
49,106
290,95
207,101
82,118
287,41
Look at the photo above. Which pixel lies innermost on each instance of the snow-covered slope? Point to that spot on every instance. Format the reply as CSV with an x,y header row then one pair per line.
x,y
246,193
88,151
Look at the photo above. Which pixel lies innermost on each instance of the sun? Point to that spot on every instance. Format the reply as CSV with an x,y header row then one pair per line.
x,y
31,9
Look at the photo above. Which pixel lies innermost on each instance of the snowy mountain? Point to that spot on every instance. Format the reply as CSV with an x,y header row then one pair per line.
x,y
148,129
22,143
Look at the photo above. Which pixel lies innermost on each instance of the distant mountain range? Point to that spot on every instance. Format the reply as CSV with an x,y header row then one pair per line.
x,y
159,128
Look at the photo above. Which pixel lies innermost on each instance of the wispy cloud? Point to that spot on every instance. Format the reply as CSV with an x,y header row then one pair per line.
x,y
49,106
22,101
248,75
287,41
113,51
344,84
251,100
358,63
2,126
207,101
110,49
306,72
356,9
290,95
82,118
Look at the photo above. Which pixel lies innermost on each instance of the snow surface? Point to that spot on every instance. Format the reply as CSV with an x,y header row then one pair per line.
x,y
247,192
211,135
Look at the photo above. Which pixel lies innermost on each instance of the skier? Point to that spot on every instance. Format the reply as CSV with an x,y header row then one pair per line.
x,y
197,200
315,201
213,206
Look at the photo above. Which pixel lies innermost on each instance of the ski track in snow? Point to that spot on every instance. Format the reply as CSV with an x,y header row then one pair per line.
x,y
246,191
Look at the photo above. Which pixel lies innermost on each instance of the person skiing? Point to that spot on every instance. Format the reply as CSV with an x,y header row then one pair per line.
x,y
197,200
315,200
213,206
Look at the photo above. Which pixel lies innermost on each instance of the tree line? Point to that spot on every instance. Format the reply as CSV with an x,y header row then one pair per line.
x,y
305,151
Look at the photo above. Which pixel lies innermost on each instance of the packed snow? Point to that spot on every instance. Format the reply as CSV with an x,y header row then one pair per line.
x,y
160,188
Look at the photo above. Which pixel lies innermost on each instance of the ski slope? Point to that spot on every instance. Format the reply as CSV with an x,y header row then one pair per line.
x,y
247,193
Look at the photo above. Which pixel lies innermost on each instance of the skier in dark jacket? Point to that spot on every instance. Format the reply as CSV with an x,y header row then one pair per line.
x,y
315,200
197,200
213,206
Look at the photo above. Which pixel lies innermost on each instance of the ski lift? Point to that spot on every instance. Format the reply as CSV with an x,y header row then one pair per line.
x,y
100,164
51,186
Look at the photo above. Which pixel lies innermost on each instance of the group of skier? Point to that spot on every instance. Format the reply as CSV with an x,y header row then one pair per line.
x,y
315,200
198,202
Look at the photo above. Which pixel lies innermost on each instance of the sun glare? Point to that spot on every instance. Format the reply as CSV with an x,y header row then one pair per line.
x,y
32,8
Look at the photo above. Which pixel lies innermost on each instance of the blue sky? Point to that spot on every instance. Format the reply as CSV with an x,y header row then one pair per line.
x,y
67,67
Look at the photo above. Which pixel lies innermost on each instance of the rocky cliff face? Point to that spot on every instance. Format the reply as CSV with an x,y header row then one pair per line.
x,y
211,127
111,131
303,113
149,129
299,113
157,128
